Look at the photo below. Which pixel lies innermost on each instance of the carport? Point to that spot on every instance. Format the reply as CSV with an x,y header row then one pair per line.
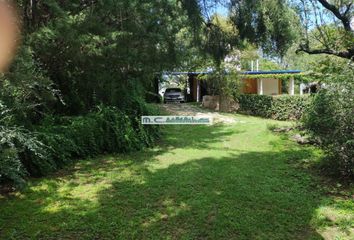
x,y
195,87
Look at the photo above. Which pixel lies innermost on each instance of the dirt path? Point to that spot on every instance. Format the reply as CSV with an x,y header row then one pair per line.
x,y
192,110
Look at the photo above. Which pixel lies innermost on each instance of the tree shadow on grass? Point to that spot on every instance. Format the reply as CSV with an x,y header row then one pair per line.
x,y
197,136
246,196
251,195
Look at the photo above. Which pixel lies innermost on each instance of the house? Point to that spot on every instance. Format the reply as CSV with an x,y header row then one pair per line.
x,y
268,82
253,82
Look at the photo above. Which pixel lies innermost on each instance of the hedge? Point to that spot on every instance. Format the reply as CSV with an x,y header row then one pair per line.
x,y
282,107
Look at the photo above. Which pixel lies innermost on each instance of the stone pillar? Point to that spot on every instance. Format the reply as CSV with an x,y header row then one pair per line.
x,y
260,86
292,86
198,90
302,87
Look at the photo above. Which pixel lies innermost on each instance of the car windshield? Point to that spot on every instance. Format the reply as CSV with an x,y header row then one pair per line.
x,y
173,90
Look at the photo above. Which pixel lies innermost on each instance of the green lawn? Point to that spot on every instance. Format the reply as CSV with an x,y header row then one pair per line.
x,y
236,181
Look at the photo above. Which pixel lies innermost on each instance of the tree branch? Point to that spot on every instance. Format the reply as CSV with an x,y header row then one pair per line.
x,y
349,6
335,10
349,54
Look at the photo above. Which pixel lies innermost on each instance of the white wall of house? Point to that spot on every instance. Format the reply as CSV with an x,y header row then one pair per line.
x,y
270,86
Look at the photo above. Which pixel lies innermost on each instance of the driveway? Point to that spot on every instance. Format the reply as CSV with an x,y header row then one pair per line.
x,y
188,109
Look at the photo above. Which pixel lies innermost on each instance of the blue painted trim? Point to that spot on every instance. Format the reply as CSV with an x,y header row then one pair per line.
x,y
244,73
187,73
271,72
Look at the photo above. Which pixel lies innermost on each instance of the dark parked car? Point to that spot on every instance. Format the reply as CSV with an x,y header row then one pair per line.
x,y
173,95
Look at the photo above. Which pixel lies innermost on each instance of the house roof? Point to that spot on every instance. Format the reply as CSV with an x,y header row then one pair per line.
x,y
187,73
243,73
271,72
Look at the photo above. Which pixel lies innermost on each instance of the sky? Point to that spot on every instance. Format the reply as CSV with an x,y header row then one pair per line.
x,y
222,10
219,9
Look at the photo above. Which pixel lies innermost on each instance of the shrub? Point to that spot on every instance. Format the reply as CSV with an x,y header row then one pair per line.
x,y
257,105
26,90
106,130
286,107
16,144
330,119
59,141
282,107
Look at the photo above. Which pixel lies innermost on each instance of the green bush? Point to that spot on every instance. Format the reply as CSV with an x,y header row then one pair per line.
x,y
286,107
257,105
26,90
282,107
59,141
330,120
16,144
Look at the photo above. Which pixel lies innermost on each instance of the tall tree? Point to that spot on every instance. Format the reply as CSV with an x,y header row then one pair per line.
x,y
271,24
328,27
96,52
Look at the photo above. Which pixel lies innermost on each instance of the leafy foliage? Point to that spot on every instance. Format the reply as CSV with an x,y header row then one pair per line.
x,y
15,145
327,27
330,117
253,104
287,107
272,24
59,141
282,107
77,55
219,38
100,53
26,90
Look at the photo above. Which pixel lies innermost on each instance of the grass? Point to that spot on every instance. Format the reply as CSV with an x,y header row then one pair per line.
x,y
237,181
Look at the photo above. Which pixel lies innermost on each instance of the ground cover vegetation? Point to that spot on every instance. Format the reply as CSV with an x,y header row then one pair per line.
x,y
82,76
